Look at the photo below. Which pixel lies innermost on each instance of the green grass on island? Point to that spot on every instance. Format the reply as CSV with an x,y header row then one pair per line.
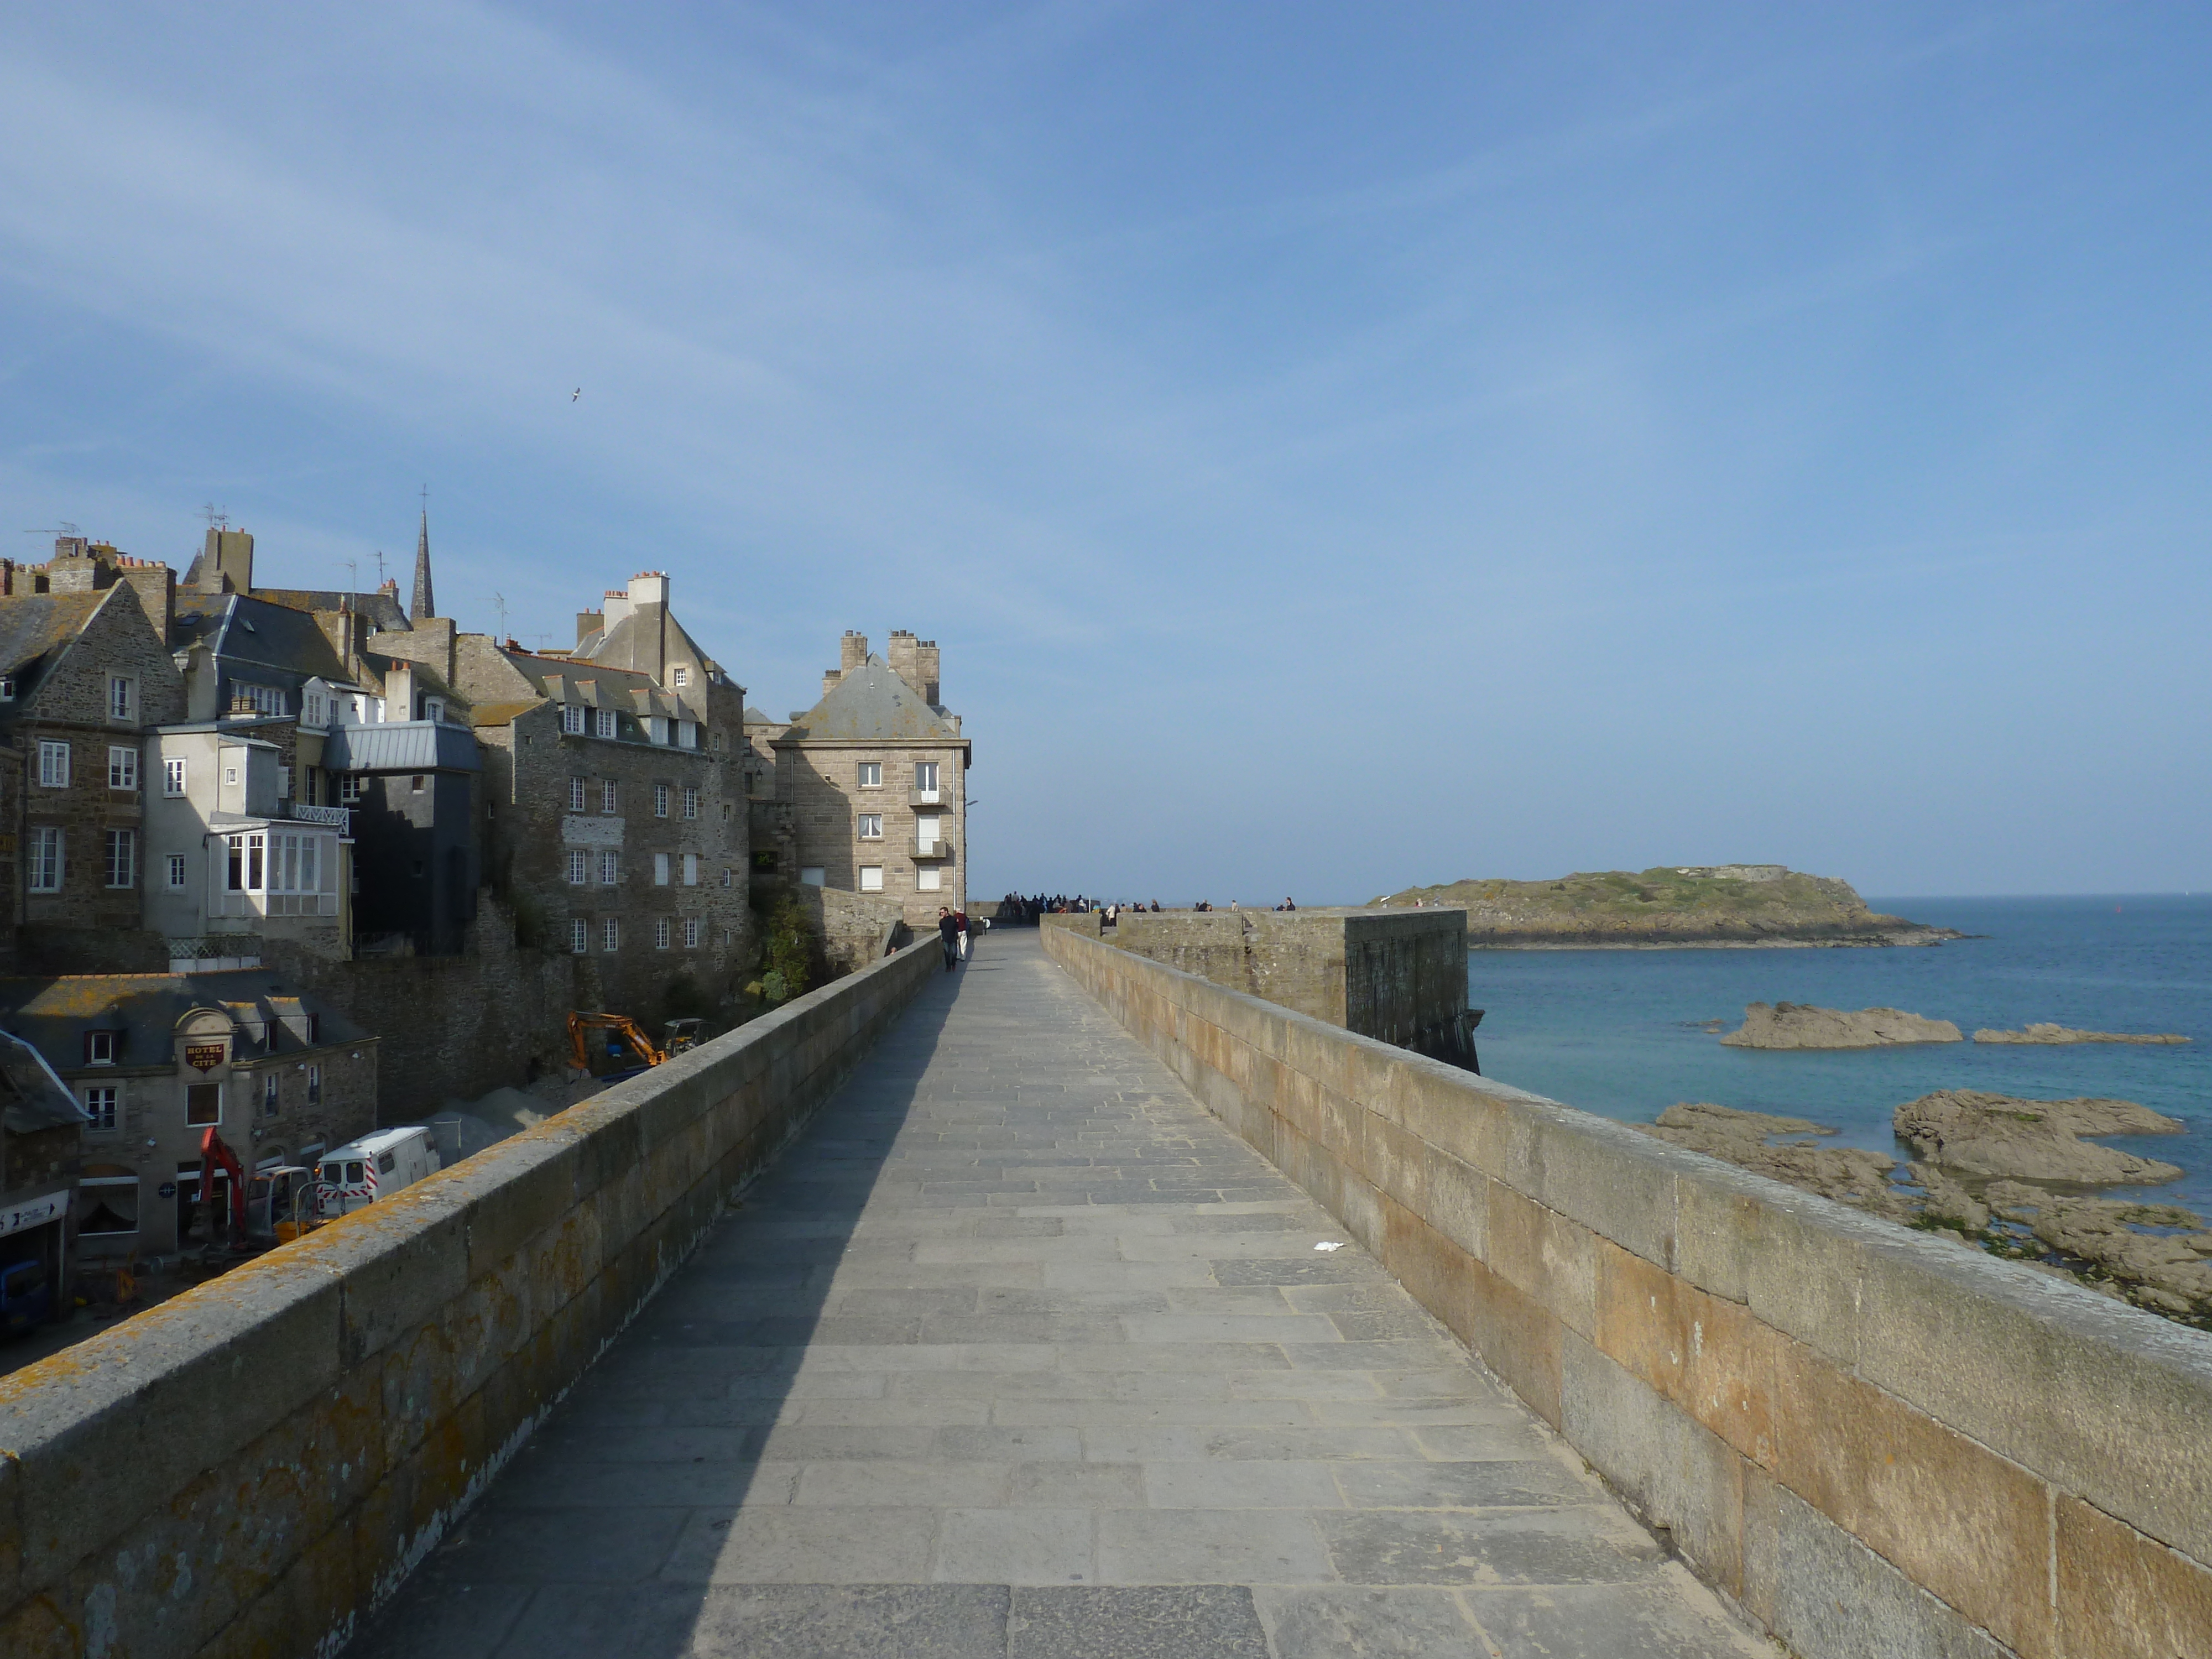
x,y
1719,904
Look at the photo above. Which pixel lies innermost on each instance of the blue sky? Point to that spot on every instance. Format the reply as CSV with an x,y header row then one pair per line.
x,y
1334,446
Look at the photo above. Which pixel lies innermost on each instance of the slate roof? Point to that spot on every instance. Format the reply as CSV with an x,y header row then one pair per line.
x,y
871,703
591,684
54,1013
34,626
31,1097
383,610
242,629
402,746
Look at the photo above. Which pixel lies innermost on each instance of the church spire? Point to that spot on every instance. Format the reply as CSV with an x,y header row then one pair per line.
x,y
422,607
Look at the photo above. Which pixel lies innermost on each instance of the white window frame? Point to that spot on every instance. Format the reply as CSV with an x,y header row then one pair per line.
x,y
572,719
100,1048
579,867
610,934
7,687
690,800
174,773
871,826
349,788
122,698
691,932
120,851
122,767
610,867
609,795
54,765
680,678
44,869
103,1104
576,789
660,800
869,774
579,937
272,1097
691,869
606,723
928,879
433,710
663,932
660,869
926,774
178,866
871,877
687,734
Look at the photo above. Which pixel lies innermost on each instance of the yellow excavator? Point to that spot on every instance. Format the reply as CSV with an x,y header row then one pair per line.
x,y
628,1050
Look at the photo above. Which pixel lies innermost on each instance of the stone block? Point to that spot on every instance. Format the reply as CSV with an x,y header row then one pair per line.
x,y
2122,1594
1433,1268
2103,1401
1618,1183
1546,1257
521,1186
1459,1203
1677,1473
1518,1338
1394,1162
1960,1520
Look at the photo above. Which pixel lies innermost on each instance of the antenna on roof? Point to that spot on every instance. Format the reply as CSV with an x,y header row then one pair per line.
x,y
380,570
499,603
218,518
62,527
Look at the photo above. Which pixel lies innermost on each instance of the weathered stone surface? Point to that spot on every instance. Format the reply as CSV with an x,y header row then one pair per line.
x,y
2045,1032
2169,1272
1801,1025
1979,1133
1851,1174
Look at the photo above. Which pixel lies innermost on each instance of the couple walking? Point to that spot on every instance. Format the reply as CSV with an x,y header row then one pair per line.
x,y
952,932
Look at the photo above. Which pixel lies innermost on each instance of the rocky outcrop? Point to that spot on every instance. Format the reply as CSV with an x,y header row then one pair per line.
x,y
1850,1175
2048,1033
2169,1272
1729,904
1801,1025
1971,1133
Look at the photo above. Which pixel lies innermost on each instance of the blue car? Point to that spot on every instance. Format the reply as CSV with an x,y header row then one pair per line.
x,y
26,1299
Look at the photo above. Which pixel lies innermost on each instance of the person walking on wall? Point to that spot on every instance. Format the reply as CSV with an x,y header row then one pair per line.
x,y
948,935
960,923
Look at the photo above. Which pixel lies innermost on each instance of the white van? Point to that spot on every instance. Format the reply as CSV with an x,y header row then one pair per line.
x,y
375,1166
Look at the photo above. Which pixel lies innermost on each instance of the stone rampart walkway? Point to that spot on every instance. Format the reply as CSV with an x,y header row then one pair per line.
x,y
1020,1353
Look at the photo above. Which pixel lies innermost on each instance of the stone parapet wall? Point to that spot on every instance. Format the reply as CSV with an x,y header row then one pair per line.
x,y
254,1467
1876,1442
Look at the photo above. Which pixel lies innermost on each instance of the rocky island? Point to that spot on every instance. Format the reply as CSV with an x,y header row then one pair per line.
x,y
2045,1032
1705,905
1801,1025
2002,1174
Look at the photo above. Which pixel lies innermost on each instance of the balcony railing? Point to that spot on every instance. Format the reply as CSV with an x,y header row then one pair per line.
x,y
925,798
337,818
939,848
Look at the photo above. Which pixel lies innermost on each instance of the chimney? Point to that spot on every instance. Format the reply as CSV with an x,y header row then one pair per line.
x,y
830,677
899,654
924,662
226,562
852,652
589,623
156,587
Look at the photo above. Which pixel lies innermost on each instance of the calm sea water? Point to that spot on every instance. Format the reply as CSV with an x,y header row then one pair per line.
x,y
1612,1031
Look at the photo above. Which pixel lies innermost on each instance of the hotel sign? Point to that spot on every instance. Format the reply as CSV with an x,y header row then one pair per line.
x,y
35,1212
203,1056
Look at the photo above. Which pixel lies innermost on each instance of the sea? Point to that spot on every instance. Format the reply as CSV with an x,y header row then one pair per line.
x,y
1620,1032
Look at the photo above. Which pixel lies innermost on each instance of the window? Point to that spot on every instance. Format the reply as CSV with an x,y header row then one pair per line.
x,y
691,869
811,875
605,722
924,831
122,697
242,872
681,676
314,1085
661,932
176,869
871,774
691,932
609,796
660,800
265,699
610,934
871,877
312,705
610,867
433,709
690,801
100,1107
269,1099
53,765
871,826
572,719
687,734
7,687
575,794
660,869
925,776
927,878
349,789
45,860
230,777
203,1103
293,861
122,768
580,939
415,784
107,1203
579,866
284,783
729,877
173,777
122,858
100,1048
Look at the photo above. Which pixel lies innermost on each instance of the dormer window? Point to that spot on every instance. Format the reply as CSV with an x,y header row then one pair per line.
x,y
434,709
606,722
572,719
7,687
100,1046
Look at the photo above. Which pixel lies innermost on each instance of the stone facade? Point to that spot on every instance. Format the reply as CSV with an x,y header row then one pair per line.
x,y
156,1059
869,785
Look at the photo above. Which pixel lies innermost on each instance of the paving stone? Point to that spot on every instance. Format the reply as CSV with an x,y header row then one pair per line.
x,y
1017,1312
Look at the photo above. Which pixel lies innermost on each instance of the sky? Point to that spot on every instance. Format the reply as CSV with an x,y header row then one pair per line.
x,y
1335,447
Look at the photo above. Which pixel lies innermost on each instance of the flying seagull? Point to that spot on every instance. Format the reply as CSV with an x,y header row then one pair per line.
x,y
577,393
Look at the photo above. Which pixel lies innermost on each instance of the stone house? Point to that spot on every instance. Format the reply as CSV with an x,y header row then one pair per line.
x,y
614,818
85,675
157,1060
41,1148
869,785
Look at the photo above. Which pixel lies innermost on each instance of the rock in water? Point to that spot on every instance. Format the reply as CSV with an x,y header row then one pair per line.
x,y
2169,1272
1976,1133
1850,1175
1801,1025
2045,1032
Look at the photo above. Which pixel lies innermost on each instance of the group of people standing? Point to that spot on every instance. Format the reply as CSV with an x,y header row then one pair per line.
x,y
952,933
